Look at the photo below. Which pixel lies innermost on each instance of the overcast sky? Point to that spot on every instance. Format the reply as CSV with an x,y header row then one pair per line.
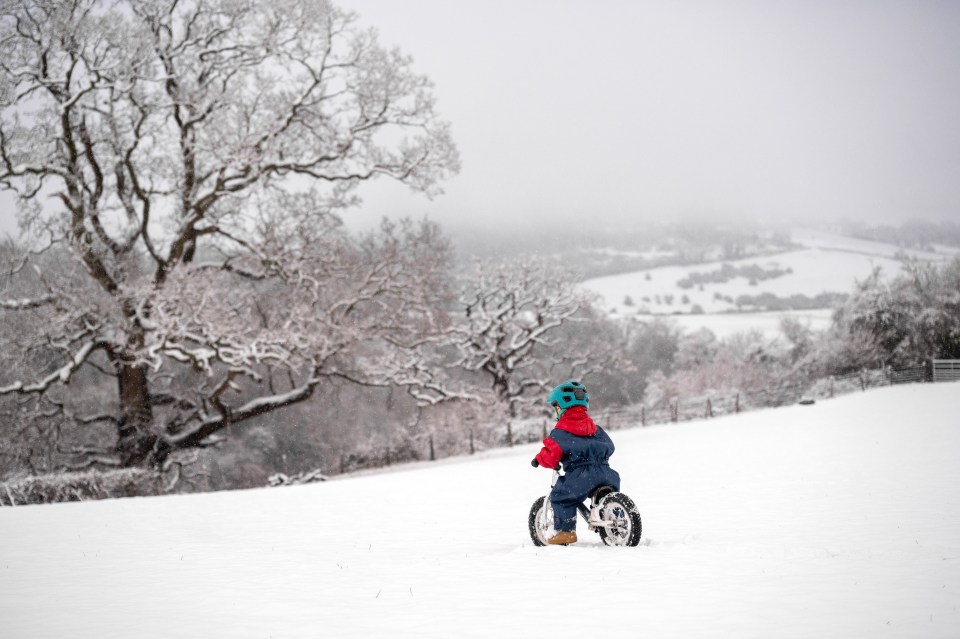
x,y
622,110
613,110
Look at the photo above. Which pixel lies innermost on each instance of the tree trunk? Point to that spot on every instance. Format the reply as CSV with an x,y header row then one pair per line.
x,y
137,443
501,386
514,413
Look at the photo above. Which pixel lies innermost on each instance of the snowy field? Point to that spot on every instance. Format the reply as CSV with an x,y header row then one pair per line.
x,y
840,519
827,263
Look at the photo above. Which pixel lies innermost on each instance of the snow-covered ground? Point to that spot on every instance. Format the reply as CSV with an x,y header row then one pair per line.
x,y
840,519
827,263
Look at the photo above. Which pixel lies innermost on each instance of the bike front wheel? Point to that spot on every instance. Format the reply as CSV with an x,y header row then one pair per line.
x,y
540,521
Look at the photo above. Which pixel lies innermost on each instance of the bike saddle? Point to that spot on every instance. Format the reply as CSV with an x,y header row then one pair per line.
x,y
599,493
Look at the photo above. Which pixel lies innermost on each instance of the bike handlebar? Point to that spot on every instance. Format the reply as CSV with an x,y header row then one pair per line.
x,y
536,464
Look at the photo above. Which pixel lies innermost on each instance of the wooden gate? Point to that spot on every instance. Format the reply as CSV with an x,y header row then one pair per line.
x,y
946,370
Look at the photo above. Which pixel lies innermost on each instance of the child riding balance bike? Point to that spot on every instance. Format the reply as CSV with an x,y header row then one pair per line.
x,y
579,452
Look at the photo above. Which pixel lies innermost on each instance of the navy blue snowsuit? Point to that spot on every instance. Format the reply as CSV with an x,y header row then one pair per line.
x,y
584,449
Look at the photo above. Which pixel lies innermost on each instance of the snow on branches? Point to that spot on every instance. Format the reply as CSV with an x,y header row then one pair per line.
x,y
511,309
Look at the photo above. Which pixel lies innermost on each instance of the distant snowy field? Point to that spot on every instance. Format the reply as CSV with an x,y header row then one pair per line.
x,y
840,519
828,263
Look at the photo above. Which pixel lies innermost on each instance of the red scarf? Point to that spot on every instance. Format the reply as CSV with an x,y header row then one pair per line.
x,y
576,421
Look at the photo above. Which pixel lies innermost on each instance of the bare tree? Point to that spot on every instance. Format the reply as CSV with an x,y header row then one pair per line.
x,y
512,313
595,349
196,153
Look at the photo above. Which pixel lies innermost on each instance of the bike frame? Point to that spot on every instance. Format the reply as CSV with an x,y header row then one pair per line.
x,y
590,515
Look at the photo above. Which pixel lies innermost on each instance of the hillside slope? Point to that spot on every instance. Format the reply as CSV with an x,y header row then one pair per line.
x,y
840,519
750,293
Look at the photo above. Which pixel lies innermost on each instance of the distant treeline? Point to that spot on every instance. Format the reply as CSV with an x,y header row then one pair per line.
x,y
915,234
753,272
798,302
599,250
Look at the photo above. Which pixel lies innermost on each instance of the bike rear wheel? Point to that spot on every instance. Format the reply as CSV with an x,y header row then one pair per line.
x,y
625,528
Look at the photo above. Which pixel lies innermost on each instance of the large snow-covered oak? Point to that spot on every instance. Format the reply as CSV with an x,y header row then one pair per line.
x,y
191,157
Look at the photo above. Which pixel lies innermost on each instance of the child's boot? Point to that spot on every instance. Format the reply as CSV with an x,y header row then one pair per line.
x,y
563,537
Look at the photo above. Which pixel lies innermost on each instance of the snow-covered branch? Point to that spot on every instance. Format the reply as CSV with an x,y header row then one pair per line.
x,y
196,434
26,303
61,375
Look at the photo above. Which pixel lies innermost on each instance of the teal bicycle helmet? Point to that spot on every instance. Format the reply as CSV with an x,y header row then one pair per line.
x,y
568,394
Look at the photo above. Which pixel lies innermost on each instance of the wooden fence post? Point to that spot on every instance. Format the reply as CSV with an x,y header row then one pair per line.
x,y
736,405
472,449
643,416
709,413
433,456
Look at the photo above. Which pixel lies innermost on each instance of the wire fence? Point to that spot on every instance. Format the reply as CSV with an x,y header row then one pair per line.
x,y
432,445
427,446
717,403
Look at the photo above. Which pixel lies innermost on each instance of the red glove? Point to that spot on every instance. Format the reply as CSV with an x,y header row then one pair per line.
x,y
550,455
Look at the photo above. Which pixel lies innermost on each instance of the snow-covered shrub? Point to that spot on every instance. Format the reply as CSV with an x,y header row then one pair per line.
x,y
900,322
742,370
309,477
82,486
